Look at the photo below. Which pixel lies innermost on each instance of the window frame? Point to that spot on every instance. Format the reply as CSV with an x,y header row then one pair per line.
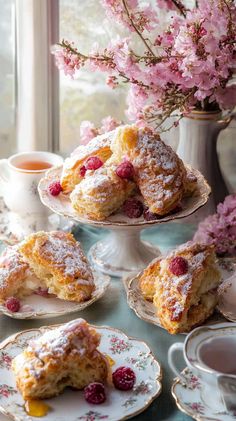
x,y
37,92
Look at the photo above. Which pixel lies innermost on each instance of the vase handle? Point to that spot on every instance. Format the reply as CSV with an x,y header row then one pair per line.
x,y
224,122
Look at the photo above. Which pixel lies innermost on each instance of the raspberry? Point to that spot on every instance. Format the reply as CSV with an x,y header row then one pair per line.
x,y
123,378
178,266
93,163
12,304
42,291
133,208
125,170
178,208
82,171
95,393
149,216
55,188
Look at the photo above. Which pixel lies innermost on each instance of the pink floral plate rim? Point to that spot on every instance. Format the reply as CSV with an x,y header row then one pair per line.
x,y
195,399
61,204
145,309
124,350
44,307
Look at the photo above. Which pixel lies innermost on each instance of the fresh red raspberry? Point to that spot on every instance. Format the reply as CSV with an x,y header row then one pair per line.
x,y
125,170
95,393
175,210
12,304
123,378
93,163
82,171
178,266
150,216
55,188
133,208
42,291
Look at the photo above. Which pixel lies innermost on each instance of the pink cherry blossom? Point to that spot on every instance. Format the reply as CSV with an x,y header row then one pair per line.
x,y
220,229
87,132
109,123
187,64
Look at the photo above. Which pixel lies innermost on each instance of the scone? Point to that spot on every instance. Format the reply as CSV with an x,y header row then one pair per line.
x,y
99,146
58,260
65,356
159,172
183,286
190,185
16,278
101,193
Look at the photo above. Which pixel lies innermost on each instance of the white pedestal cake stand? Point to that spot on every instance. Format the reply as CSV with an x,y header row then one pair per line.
x,y
121,252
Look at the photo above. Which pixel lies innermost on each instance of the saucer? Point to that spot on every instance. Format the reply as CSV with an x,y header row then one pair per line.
x,y
37,307
196,399
13,228
71,405
146,310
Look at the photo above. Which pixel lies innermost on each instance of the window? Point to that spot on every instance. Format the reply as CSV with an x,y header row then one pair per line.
x,y
7,77
87,97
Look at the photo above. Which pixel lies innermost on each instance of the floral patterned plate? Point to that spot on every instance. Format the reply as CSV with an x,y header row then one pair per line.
x,y
70,405
38,307
146,310
196,399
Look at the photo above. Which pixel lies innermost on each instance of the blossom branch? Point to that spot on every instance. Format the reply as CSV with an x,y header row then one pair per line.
x,y
135,28
179,5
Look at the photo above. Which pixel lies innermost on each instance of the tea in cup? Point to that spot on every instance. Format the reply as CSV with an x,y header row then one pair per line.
x,y
19,178
210,353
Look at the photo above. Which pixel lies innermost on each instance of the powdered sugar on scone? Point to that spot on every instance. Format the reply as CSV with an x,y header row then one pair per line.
x,y
64,254
75,336
12,270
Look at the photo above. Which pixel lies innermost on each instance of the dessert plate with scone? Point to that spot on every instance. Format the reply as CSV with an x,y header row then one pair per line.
x,y
47,275
126,180
180,290
76,371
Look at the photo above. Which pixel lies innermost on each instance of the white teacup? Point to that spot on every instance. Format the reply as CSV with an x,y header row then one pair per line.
x,y
19,178
210,352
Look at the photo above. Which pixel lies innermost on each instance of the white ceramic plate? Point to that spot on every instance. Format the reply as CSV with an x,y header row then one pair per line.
x,y
70,405
146,310
38,307
62,205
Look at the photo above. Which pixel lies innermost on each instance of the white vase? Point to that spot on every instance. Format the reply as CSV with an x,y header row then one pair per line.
x,y
197,147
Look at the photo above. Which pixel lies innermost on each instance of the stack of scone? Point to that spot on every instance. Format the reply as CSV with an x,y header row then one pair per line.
x,y
183,286
46,261
116,168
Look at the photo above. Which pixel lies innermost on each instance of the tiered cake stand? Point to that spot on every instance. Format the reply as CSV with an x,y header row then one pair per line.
x,y
122,251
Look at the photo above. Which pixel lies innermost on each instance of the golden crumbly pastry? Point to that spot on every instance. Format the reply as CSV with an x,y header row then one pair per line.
x,y
65,356
101,193
99,146
159,172
190,186
16,279
183,286
57,259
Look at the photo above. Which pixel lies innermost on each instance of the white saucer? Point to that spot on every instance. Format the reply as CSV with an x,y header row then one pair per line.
x,y
197,400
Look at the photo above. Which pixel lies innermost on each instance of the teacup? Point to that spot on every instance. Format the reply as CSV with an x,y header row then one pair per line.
x,y
210,352
19,178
